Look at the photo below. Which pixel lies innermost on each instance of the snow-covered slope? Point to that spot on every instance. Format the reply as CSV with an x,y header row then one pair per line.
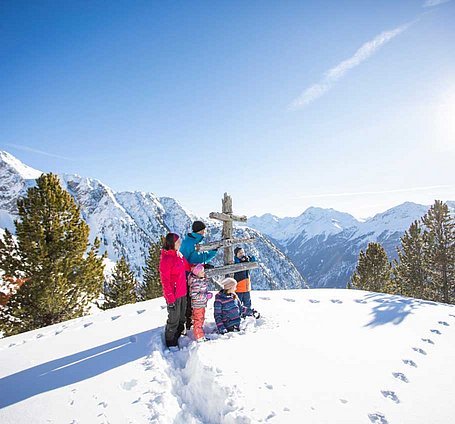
x,y
316,356
324,244
127,222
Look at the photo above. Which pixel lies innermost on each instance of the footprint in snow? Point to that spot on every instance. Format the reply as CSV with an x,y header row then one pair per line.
x,y
428,341
344,401
163,306
12,345
38,336
141,311
103,404
286,409
314,301
390,395
378,418
452,315
288,300
88,324
443,323
417,349
115,317
128,385
336,301
264,298
269,386
410,362
400,376
436,332
270,416
360,301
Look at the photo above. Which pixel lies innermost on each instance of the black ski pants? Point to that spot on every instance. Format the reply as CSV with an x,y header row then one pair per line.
x,y
175,322
189,309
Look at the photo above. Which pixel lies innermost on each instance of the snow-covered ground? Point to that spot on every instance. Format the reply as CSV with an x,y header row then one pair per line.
x,y
316,356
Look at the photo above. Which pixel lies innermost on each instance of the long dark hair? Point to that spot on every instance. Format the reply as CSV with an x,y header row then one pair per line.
x,y
169,241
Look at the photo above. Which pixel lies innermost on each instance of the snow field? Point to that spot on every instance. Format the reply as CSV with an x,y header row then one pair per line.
x,y
317,356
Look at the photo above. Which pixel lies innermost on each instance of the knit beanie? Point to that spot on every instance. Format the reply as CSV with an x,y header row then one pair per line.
x,y
197,269
237,250
228,283
198,226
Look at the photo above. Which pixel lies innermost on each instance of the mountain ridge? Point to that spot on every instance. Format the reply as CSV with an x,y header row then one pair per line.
x,y
127,222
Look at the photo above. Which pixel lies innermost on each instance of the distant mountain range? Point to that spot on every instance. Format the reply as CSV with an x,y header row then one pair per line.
x,y
320,247
324,244
127,222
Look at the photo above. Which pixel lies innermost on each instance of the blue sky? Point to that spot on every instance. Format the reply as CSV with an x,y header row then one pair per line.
x,y
284,104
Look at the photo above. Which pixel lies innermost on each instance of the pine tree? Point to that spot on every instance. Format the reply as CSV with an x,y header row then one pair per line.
x,y
121,288
62,279
411,269
373,271
440,242
151,288
10,259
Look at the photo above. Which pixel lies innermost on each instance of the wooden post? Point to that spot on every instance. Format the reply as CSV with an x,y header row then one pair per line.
x,y
227,217
227,229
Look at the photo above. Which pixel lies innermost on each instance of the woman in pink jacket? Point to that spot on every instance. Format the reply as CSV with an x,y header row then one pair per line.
x,y
173,267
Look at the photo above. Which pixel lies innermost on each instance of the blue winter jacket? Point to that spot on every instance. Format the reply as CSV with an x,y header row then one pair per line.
x,y
188,249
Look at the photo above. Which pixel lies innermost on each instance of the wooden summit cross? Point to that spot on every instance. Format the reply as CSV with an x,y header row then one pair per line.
x,y
227,241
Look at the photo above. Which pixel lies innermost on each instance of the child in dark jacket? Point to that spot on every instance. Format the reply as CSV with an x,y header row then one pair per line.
x,y
199,295
243,289
227,308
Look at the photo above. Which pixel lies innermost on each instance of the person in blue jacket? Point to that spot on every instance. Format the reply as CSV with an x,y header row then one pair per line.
x,y
189,252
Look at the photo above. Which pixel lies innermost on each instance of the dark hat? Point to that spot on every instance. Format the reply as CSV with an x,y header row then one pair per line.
x,y
237,250
198,226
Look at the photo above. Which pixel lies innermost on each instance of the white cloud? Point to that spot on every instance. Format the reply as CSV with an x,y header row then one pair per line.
x,y
333,75
40,152
432,3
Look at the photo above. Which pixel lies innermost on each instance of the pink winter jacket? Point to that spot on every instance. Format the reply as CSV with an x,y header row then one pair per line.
x,y
173,277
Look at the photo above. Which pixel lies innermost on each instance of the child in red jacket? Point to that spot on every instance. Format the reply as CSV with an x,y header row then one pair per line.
x,y
199,294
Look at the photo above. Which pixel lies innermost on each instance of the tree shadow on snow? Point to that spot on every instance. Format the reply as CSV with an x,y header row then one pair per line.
x,y
77,367
392,309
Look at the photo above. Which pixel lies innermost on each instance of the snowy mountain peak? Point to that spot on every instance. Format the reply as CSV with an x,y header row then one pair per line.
x,y
7,160
314,221
396,219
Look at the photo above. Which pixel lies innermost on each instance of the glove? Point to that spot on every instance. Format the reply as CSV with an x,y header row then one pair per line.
x,y
209,295
171,306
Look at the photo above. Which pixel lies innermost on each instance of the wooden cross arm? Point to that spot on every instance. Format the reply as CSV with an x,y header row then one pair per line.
x,y
229,269
227,217
223,243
